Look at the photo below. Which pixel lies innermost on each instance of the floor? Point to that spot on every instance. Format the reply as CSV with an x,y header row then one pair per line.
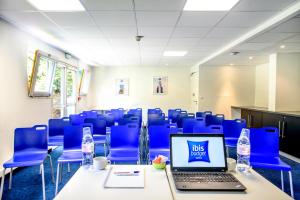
x,y
27,183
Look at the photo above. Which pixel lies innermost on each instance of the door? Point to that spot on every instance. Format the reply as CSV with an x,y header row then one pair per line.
x,y
194,91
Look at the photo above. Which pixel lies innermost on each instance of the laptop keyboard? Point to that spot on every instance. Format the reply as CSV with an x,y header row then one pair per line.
x,y
203,177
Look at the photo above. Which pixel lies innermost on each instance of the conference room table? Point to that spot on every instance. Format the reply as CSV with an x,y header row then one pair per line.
x,y
159,185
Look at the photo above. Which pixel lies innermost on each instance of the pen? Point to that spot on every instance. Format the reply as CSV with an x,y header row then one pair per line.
x,y
127,173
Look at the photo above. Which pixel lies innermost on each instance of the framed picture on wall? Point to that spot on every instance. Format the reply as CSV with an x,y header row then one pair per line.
x,y
160,85
122,87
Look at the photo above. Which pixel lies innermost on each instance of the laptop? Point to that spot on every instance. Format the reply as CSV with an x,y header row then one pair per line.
x,y
198,162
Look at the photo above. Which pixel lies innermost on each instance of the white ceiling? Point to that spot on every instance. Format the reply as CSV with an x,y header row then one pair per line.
x,y
105,32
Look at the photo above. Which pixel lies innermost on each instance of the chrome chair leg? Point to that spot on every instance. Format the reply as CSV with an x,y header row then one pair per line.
x,y
282,182
2,183
43,182
52,172
57,178
61,171
69,169
104,147
291,184
10,178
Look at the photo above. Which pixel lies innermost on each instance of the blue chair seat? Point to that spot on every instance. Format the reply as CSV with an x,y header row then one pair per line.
x,y
70,157
155,152
24,160
57,140
99,139
124,154
269,163
231,141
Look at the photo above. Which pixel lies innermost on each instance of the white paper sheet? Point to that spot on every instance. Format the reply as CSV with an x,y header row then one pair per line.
x,y
115,180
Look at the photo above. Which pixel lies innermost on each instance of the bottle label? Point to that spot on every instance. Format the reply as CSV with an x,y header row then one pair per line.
x,y
87,148
243,150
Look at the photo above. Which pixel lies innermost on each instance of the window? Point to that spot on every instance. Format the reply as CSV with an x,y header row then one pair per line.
x,y
85,82
42,76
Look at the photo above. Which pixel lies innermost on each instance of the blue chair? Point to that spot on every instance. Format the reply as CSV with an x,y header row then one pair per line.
x,y
159,140
109,118
56,131
117,113
214,119
200,114
155,111
184,115
99,131
208,129
77,119
91,113
190,123
72,152
173,114
124,144
30,149
232,130
265,152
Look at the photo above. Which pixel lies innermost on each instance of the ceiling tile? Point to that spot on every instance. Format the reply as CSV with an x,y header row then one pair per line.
x,y
149,41
205,19
262,5
190,32
113,18
168,5
107,4
87,32
295,38
213,41
183,41
219,32
245,19
71,19
155,31
119,31
252,46
16,5
148,18
270,37
291,26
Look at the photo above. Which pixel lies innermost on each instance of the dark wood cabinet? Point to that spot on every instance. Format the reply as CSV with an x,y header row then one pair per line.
x,y
290,136
288,127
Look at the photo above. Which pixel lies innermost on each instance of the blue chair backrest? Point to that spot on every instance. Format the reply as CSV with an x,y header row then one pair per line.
x,y
159,136
73,137
214,119
125,136
155,111
77,119
109,118
90,114
56,126
183,115
208,129
207,113
190,123
200,114
264,141
233,128
31,139
99,125
117,113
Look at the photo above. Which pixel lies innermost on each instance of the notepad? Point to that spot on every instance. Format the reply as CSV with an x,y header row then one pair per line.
x,y
125,177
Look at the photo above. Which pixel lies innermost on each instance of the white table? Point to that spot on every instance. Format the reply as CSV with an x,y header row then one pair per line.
x,y
257,188
89,185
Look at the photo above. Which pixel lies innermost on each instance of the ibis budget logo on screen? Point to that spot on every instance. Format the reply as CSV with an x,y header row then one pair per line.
x,y
198,151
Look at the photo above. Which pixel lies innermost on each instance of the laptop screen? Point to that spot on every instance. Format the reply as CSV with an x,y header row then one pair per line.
x,y
195,151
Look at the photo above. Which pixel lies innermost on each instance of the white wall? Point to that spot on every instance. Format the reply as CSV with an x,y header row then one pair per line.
x,y
16,108
226,86
262,85
288,82
140,88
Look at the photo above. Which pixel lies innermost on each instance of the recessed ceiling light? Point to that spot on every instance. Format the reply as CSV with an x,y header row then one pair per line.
x,y
282,46
57,5
231,64
175,53
167,64
250,57
209,5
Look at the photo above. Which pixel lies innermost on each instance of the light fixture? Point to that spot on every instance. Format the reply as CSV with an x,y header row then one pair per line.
x,y
209,5
234,53
282,46
175,53
167,64
57,5
250,57
231,64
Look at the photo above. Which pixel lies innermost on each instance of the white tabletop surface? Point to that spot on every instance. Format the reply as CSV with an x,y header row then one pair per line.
x,y
257,188
89,185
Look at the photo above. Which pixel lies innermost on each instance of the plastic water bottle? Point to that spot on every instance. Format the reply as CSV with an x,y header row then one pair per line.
x,y
87,148
243,151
